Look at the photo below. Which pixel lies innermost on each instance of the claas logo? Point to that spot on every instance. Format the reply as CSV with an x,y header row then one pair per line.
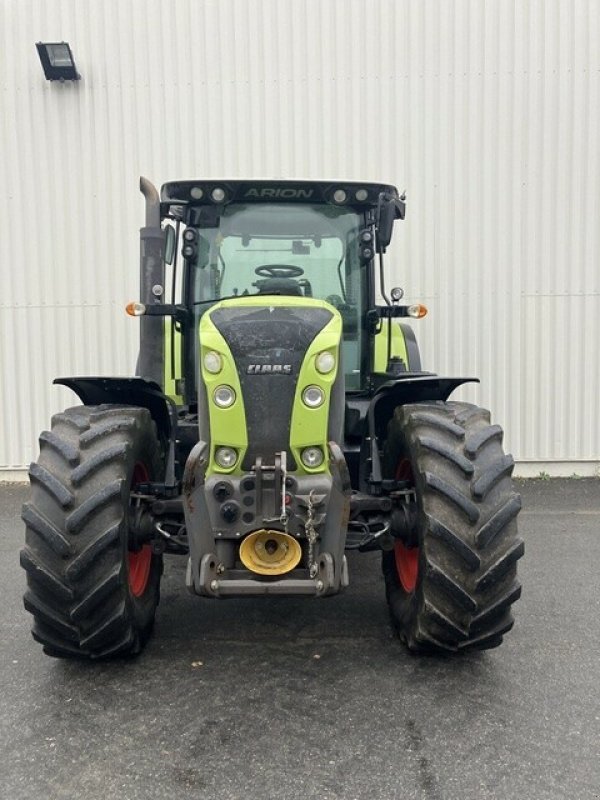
x,y
269,369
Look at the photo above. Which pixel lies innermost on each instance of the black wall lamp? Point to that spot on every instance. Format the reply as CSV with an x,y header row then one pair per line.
x,y
57,61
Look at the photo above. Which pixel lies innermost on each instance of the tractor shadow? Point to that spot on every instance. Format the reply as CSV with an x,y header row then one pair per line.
x,y
352,631
277,621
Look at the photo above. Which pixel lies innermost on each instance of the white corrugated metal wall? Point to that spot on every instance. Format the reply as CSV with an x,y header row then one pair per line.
x,y
486,111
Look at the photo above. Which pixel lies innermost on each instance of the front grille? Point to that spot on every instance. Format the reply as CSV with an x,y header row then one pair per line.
x,y
263,339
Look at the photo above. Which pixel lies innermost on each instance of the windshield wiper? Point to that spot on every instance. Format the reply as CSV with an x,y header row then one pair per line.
x,y
233,297
216,299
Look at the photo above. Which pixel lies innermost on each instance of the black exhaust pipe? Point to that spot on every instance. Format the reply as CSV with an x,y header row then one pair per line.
x,y
150,363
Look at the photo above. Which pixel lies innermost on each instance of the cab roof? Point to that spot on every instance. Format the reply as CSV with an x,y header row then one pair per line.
x,y
220,192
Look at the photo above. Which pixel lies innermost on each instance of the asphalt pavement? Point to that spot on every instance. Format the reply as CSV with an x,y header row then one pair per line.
x,y
304,698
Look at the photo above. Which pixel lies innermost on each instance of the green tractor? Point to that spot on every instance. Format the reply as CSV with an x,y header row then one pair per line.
x,y
279,418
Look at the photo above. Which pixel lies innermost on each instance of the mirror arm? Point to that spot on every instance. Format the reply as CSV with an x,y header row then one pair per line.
x,y
391,312
382,279
173,291
178,312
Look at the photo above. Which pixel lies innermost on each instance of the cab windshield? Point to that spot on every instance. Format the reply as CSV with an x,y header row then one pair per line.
x,y
291,249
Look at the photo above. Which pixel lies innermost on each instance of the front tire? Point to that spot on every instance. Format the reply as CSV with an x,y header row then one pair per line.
x,y
452,588
91,594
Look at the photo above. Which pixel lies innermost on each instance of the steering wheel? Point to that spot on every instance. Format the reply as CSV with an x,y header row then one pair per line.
x,y
279,271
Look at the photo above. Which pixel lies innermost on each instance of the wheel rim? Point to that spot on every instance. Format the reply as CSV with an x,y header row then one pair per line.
x,y
407,558
139,561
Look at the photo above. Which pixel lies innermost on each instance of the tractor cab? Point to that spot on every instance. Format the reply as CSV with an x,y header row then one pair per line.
x,y
281,238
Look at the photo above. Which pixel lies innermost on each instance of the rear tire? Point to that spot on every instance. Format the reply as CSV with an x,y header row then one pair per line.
x,y
455,592
90,595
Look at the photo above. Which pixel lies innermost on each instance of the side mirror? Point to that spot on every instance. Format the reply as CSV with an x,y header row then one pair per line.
x,y
389,208
169,244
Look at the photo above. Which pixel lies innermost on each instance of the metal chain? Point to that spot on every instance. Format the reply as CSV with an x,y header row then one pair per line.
x,y
284,518
312,536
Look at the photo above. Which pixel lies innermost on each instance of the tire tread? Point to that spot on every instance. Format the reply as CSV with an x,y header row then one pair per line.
x,y
468,535
76,534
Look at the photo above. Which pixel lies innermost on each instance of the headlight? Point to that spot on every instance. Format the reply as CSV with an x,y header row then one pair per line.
x,y
312,457
213,362
325,362
225,457
224,396
313,396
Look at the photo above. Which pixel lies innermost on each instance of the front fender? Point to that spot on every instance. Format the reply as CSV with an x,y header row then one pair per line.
x,y
413,389
94,391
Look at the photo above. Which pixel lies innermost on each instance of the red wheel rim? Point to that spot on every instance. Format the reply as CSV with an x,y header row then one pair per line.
x,y
407,565
407,558
139,561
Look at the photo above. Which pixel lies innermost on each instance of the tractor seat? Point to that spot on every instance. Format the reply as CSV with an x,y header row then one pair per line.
x,y
288,286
